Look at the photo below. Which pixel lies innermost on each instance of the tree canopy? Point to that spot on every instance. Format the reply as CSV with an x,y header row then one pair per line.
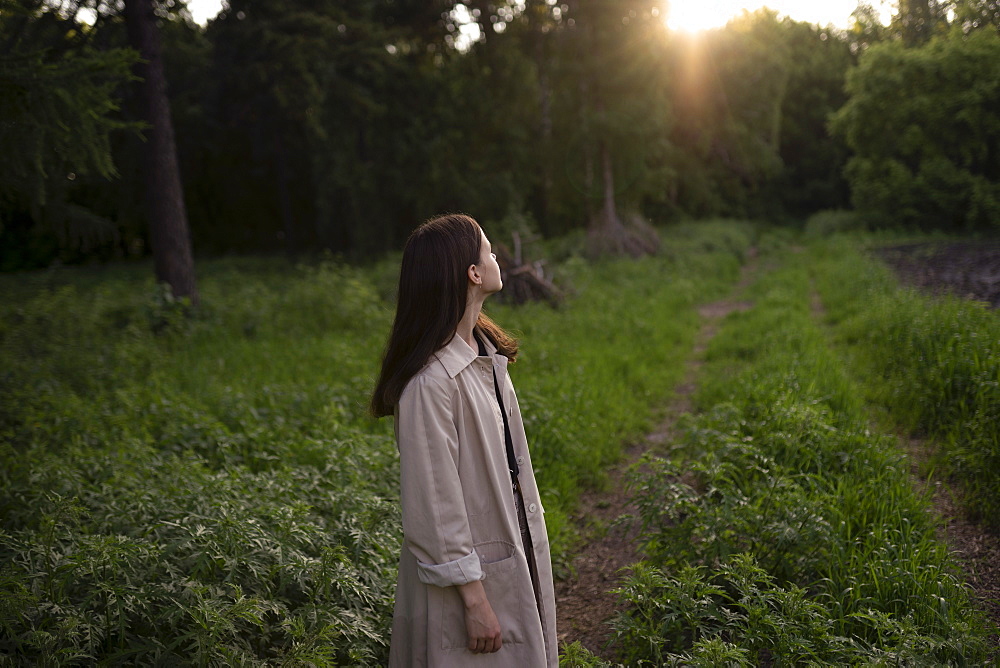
x,y
341,125
924,127
58,97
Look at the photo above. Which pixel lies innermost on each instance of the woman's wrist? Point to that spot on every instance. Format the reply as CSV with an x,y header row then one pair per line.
x,y
473,594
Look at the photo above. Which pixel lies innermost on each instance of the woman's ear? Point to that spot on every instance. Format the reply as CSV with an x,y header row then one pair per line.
x,y
474,276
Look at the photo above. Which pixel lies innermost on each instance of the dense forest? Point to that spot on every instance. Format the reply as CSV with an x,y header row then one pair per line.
x,y
340,124
793,457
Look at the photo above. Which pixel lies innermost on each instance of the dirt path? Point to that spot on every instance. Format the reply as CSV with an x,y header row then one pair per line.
x,y
584,602
976,548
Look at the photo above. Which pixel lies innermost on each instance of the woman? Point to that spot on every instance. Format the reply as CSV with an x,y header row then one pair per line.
x,y
475,579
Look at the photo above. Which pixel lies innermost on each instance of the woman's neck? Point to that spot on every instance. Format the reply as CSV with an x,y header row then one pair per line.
x,y
468,322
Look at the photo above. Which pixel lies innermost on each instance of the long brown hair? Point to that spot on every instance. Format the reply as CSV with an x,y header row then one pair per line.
x,y
433,287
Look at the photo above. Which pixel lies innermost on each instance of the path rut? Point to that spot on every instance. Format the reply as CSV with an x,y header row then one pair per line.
x,y
584,602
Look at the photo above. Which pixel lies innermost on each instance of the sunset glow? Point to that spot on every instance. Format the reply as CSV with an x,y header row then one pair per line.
x,y
693,16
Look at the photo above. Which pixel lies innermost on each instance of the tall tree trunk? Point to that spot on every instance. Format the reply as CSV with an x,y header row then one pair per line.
x,y
283,175
608,220
542,58
169,235
588,154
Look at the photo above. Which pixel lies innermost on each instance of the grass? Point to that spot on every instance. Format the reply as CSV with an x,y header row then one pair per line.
x,y
931,364
782,530
209,489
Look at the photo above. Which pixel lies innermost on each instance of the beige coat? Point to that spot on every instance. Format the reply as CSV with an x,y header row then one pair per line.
x,y
459,518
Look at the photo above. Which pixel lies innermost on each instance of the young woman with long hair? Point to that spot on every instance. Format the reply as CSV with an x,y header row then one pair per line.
x,y
475,578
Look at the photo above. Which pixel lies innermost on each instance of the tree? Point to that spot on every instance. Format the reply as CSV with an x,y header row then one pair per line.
x,y
916,21
58,104
924,126
866,28
812,159
333,111
169,235
973,15
616,49
730,86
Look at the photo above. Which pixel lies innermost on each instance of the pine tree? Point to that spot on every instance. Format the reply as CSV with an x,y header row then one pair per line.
x,y
58,111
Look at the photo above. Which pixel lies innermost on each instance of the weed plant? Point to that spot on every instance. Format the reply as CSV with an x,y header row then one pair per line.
x,y
782,531
204,486
931,363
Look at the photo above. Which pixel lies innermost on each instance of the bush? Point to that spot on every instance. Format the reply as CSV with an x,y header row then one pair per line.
x,y
833,221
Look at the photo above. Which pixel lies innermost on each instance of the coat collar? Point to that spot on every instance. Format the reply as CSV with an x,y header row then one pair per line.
x,y
456,354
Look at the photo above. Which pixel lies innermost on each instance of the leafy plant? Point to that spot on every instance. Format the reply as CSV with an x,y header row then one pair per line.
x,y
205,486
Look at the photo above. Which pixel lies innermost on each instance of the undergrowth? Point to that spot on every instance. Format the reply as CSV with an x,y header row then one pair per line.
x,y
931,363
204,487
781,530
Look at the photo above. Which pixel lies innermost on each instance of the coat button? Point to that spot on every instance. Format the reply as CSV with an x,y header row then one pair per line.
x,y
532,507
520,460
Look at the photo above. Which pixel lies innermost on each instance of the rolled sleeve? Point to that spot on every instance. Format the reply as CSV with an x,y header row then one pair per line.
x,y
435,521
460,571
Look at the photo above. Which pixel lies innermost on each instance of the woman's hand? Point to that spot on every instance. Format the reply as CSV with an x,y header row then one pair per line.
x,y
481,623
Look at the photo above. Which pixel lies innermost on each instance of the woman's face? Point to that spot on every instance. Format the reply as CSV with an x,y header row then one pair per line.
x,y
488,268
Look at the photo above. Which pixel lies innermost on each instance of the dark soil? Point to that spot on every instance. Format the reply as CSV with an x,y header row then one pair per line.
x,y
969,269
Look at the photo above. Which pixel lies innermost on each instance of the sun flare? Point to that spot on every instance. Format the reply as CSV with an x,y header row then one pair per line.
x,y
696,15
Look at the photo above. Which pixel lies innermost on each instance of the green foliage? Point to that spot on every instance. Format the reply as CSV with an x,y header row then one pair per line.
x,y
617,101
576,655
751,104
206,487
923,125
59,103
56,108
812,159
826,223
321,125
765,620
187,490
976,14
783,531
729,96
917,21
931,362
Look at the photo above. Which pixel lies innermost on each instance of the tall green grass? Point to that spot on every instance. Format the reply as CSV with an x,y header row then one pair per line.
x,y
931,363
208,489
781,530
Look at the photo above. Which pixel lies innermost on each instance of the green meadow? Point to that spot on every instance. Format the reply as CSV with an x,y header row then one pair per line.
x,y
784,527
206,487
210,488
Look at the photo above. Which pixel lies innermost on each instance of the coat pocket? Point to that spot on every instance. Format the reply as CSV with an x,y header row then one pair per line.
x,y
506,580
